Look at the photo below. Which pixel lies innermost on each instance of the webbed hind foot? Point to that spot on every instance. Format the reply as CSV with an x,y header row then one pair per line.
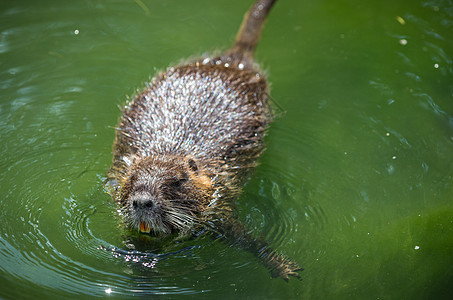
x,y
279,265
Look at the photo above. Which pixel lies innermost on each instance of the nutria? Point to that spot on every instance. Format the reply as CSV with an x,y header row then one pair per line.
x,y
184,145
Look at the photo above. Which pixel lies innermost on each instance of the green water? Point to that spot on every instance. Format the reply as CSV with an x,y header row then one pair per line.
x,y
356,183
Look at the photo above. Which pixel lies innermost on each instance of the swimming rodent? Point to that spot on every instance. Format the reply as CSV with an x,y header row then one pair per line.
x,y
185,144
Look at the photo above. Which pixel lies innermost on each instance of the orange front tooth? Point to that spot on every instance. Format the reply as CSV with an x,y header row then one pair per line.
x,y
144,227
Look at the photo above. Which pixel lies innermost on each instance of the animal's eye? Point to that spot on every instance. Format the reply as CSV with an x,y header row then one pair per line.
x,y
193,165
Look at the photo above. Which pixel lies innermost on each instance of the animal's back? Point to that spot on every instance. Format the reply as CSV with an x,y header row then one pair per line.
x,y
212,110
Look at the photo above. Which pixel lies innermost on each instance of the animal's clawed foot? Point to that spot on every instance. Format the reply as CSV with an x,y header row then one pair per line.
x,y
280,265
286,268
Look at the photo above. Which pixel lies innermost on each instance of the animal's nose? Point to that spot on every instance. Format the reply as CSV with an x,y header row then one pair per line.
x,y
142,201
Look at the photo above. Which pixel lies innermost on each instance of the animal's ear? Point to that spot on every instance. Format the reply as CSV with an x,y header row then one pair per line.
x,y
192,165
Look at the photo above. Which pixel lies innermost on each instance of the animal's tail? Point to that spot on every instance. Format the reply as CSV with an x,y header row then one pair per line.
x,y
250,31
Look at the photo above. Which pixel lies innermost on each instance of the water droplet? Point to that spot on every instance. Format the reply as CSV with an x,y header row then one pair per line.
x,y
400,20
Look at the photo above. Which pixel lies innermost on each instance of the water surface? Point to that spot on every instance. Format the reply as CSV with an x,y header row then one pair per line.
x,y
356,183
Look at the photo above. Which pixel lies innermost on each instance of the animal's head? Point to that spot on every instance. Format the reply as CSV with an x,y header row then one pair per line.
x,y
161,195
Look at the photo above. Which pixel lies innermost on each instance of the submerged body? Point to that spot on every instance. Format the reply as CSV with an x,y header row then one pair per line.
x,y
184,144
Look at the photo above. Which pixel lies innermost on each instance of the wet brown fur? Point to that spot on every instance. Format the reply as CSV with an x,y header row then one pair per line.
x,y
184,145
